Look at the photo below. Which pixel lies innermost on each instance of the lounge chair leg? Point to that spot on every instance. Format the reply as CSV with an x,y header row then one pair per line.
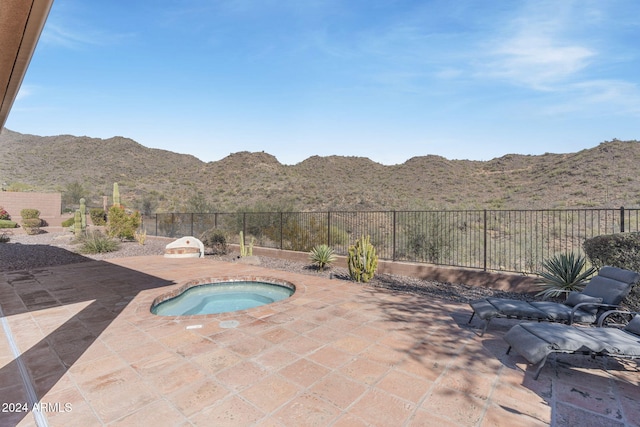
x,y
486,325
539,368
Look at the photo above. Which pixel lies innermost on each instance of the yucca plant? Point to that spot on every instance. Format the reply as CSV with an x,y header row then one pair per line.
x,y
563,273
322,256
97,243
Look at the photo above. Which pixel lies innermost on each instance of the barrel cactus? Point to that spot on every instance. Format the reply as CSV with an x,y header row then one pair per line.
x,y
362,260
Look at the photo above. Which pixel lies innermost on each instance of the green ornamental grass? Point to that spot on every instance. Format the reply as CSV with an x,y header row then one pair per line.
x,y
97,243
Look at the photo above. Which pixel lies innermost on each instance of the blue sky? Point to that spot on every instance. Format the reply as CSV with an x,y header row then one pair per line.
x,y
384,79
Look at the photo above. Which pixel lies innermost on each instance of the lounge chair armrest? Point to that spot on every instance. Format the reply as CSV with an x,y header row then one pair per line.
x,y
606,314
591,304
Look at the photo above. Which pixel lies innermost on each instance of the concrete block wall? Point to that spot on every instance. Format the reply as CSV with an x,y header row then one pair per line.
x,y
49,205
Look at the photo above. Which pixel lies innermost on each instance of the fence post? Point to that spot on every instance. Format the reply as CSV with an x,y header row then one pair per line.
x,y
191,224
622,219
329,228
244,227
393,237
485,241
281,229
156,224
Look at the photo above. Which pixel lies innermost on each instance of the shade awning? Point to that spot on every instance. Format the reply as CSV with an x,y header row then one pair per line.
x,y
21,22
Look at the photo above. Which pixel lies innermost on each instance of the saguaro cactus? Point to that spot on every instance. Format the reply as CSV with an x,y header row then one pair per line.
x,y
362,260
83,213
116,194
77,223
244,249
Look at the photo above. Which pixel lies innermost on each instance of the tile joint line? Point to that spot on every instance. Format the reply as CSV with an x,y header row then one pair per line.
x,y
32,397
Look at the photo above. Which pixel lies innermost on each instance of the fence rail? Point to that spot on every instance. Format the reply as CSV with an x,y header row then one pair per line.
x,y
498,240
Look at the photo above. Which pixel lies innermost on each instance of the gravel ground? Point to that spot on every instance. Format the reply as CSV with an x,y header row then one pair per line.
x,y
24,252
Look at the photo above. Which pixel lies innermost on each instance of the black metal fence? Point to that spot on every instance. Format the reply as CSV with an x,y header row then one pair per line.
x,y
500,240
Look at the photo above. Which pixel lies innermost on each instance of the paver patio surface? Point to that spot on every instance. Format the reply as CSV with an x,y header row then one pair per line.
x,y
334,354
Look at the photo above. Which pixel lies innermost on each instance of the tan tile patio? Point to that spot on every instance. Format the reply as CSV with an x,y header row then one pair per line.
x,y
334,354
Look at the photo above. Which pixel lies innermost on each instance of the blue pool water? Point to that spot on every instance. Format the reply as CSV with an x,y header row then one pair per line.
x,y
222,297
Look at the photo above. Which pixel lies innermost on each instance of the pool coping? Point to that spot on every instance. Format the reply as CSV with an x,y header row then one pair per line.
x,y
205,281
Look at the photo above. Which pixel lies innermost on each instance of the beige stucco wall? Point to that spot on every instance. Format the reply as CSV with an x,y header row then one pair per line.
x,y
49,205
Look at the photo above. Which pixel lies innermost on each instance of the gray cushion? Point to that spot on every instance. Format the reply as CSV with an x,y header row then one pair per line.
x,y
619,274
534,341
517,308
611,291
634,325
615,341
483,309
576,298
562,313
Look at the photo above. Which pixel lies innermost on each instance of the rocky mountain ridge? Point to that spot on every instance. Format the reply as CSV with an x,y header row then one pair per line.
x,y
603,176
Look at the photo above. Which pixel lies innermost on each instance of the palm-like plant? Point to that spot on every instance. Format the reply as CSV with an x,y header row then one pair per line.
x,y
322,256
564,273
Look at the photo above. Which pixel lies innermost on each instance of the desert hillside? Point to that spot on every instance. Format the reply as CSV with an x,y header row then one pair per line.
x,y
159,180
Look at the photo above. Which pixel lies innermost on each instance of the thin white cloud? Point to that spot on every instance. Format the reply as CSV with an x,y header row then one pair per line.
x,y
601,97
59,36
538,61
25,91
535,49
70,37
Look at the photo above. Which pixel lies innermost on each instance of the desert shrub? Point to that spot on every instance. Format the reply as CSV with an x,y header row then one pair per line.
x,y
425,247
73,192
68,222
4,214
295,237
362,260
31,221
31,225
140,236
94,242
98,216
215,240
172,225
5,223
429,238
564,273
122,225
302,234
4,238
322,256
30,213
620,250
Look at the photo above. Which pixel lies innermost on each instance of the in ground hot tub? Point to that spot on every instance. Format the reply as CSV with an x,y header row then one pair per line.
x,y
213,297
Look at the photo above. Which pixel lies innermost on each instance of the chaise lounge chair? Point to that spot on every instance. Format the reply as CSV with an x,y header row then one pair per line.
x,y
604,292
536,341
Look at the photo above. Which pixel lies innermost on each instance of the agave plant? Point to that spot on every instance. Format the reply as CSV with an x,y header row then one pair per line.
x,y
322,256
564,273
